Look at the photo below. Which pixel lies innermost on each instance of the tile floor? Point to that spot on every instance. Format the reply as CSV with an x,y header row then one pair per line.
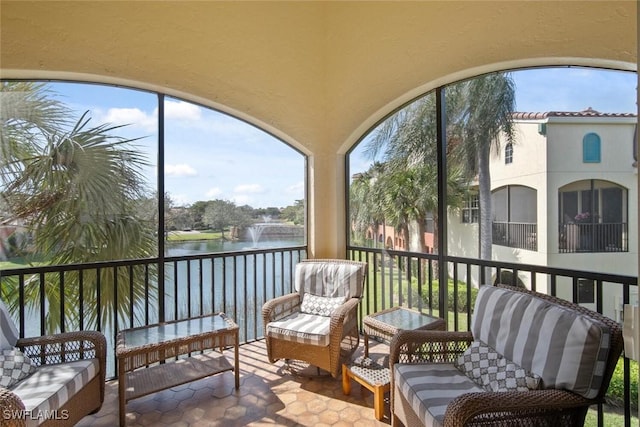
x,y
269,395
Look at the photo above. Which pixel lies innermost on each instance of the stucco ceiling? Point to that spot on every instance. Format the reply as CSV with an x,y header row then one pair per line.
x,y
317,74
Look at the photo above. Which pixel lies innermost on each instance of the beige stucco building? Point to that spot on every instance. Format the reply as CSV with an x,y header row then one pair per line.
x,y
563,195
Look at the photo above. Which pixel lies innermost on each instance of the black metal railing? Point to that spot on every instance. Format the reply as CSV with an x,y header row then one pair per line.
x,y
593,237
238,283
522,235
111,296
412,280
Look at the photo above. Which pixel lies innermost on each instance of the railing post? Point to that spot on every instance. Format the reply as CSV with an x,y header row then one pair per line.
x,y
161,237
441,118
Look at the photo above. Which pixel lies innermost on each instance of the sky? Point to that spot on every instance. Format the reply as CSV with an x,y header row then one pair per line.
x,y
541,90
210,155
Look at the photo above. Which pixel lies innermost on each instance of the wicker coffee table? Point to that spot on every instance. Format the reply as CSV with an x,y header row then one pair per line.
x,y
386,323
142,353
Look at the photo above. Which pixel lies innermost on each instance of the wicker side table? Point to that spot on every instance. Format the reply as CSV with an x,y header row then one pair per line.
x,y
371,375
386,323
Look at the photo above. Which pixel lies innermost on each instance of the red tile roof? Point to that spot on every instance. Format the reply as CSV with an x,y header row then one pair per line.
x,y
589,112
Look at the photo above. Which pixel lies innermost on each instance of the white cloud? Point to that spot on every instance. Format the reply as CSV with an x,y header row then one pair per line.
x,y
130,116
213,192
179,170
249,188
180,110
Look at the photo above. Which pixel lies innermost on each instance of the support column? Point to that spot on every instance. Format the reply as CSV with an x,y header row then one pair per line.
x,y
326,206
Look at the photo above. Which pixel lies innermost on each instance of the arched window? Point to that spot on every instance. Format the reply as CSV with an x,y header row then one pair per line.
x,y
508,154
591,148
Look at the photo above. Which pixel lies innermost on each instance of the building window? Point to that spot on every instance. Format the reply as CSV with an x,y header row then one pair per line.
x,y
515,217
471,210
591,148
508,154
593,217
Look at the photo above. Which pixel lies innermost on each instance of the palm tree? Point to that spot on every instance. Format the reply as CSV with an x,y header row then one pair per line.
x,y
76,189
480,113
365,202
407,142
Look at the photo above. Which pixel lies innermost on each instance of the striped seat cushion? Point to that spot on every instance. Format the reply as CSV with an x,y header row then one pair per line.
x,y
51,386
429,388
568,350
329,279
301,327
8,331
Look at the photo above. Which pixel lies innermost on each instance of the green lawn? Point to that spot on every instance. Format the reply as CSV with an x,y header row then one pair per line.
x,y
181,236
611,419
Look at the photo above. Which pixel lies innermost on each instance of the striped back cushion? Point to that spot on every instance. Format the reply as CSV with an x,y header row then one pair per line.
x,y
567,349
330,278
8,331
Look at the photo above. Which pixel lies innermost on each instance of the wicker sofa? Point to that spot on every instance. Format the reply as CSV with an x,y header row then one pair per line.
x,y
317,323
65,382
529,360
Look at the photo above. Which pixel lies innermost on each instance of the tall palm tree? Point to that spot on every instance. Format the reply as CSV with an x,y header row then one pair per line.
x,y
76,190
481,112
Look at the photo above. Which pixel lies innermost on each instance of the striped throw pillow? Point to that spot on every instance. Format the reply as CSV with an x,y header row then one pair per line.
x,y
567,349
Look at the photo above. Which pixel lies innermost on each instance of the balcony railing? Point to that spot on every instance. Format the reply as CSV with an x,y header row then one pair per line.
x,y
238,283
522,235
594,237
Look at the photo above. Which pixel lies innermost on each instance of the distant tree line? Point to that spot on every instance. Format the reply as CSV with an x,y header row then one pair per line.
x,y
220,215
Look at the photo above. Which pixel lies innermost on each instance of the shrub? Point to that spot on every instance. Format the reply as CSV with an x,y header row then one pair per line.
x,y
434,298
615,394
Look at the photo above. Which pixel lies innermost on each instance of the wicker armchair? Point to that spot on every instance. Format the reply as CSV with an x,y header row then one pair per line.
x,y
317,323
438,350
54,355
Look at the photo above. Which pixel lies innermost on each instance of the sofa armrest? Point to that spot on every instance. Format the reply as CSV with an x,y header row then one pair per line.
x,y
65,347
10,409
280,307
420,346
491,407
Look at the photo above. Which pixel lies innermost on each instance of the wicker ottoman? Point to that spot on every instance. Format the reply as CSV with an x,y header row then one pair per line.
x,y
371,375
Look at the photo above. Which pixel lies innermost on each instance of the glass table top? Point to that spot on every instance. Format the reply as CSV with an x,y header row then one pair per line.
x,y
165,332
402,318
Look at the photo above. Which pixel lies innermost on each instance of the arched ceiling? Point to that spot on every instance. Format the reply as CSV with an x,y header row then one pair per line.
x,y
315,73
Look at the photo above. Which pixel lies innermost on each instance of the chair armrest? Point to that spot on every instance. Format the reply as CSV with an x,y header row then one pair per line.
x,y
10,409
280,307
523,404
66,347
420,346
341,315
